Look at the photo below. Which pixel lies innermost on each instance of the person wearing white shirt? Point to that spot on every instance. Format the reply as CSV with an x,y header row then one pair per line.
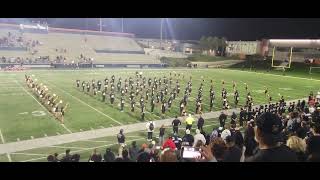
x,y
150,128
199,137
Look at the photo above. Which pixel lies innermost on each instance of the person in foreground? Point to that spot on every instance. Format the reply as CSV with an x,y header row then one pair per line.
x,y
268,135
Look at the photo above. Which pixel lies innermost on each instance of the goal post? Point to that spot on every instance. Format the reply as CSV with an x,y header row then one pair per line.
x,y
287,66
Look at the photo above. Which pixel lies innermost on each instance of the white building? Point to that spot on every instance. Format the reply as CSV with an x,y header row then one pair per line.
x,y
243,47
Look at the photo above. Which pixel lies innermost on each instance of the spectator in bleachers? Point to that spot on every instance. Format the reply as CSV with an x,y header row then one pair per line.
x,y
199,137
67,157
188,138
233,153
267,133
50,158
124,157
313,144
249,139
55,158
218,149
169,144
95,156
75,158
133,151
168,156
298,145
109,156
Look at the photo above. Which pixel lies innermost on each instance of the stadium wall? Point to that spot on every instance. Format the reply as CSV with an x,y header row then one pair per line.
x,y
82,66
72,31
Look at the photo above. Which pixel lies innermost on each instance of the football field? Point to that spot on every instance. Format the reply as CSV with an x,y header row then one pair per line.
x,y
23,117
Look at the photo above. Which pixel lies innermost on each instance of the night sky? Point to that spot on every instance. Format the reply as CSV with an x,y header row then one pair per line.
x,y
194,28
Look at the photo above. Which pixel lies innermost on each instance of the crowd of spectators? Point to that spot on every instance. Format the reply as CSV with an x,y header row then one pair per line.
x,y
21,60
272,136
16,40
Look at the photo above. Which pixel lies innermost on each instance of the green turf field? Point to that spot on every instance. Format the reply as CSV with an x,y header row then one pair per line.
x,y
23,118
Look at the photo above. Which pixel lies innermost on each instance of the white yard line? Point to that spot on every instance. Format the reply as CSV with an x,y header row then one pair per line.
x,y
30,154
3,142
87,104
68,147
34,159
96,141
66,128
2,138
32,96
40,104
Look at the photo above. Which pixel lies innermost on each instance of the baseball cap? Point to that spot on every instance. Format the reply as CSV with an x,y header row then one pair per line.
x,y
271,124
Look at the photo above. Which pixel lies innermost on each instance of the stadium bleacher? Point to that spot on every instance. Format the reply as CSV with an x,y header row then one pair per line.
x,y
100,48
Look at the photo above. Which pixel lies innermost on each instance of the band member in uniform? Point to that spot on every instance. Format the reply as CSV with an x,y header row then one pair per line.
x,y
132,105
233,85
122,103
152,104
99,85
112,98
63,110
83,85
147,94
163,107
88,87
122,92
149,82
118,86
103,96
236,98
198,107
265,91
211,103
270,99
169,102
93,84
95,91
141,101
78,83
142,113
182,106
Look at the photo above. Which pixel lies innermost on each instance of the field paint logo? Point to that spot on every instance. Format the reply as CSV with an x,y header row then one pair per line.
x,y
287,89
34,113
38,113
258,91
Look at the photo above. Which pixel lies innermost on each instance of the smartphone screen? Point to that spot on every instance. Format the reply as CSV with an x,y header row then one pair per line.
x,y
190,152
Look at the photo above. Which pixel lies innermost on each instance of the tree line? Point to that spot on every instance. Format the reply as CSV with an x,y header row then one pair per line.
x,y
213,43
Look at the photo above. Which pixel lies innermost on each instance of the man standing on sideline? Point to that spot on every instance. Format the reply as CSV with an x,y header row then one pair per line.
x,y
200,123
189,122
222,119
175,125
150,128
121,138
161,135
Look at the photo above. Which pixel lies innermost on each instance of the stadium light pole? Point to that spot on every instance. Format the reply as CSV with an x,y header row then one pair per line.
x,y
100,24
161,33
121,24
